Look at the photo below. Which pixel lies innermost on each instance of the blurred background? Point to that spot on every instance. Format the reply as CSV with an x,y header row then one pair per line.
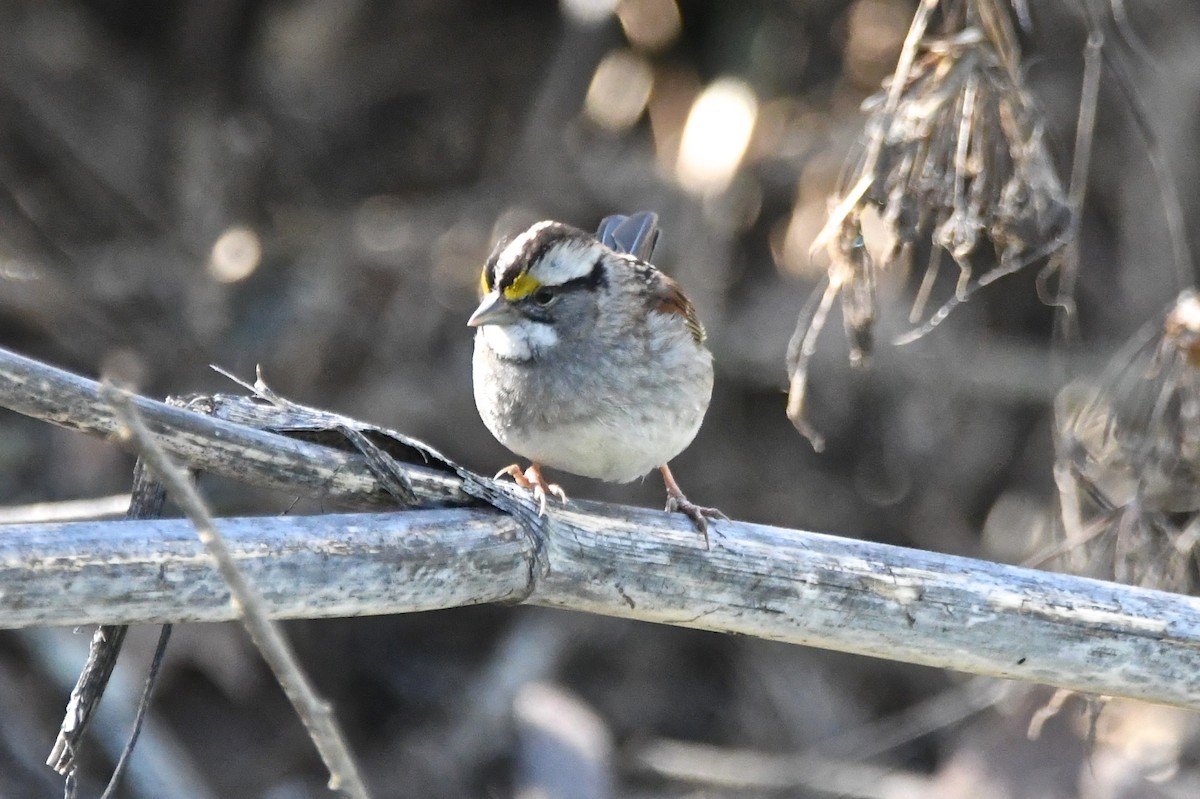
x,y
314,186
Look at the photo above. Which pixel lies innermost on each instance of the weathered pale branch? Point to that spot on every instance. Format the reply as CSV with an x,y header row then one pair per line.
x,y
784,585
241,453
304,566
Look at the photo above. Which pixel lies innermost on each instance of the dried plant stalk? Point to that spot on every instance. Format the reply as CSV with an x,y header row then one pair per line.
x,y
953,150
1128,467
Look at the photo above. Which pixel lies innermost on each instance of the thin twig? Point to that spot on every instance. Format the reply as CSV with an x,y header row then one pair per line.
x,y
146,501
1064,316
163,766
937,712
160,649
85,696
314,712
744,770
1172,205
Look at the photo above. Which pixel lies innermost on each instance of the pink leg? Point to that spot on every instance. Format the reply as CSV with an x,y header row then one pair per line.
x,y
677,501
532,479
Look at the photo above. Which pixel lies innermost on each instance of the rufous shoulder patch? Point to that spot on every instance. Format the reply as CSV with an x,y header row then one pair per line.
x,y
671,299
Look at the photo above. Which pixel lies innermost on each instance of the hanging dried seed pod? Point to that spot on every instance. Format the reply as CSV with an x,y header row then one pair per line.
x,y
1128,465
953,150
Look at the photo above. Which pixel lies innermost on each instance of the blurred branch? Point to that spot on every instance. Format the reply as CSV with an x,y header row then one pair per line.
x,y
768,582
70,510
1065,317
714,766
1164,176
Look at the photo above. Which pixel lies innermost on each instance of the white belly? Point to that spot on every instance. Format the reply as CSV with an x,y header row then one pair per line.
x,y
616,455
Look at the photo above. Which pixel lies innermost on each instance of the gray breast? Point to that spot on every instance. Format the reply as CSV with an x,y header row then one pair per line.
x,y
622,384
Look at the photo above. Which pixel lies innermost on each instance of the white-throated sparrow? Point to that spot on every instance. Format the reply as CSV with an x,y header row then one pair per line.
x,y
588,359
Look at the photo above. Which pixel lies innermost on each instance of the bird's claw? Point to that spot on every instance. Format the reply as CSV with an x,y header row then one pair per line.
x,y
678,502
699,514
553,489
532,480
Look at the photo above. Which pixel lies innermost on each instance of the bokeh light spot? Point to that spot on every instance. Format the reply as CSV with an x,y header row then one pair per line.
x,y
650,24
619,91
235,255
716,136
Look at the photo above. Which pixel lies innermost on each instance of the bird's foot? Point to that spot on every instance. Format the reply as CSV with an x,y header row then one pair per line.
x,y
532,480
699,514
678,502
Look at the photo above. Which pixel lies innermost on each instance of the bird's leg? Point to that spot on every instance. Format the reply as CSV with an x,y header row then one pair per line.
x,y
677,501
518,476
532,480
541,488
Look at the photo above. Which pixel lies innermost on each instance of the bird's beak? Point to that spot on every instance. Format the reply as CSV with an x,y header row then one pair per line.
x,y
493,310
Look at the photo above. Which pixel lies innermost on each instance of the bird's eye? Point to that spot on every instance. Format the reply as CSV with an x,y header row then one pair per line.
x,y
544,296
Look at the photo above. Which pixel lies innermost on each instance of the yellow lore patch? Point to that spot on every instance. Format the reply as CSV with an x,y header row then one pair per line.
x,y
522,287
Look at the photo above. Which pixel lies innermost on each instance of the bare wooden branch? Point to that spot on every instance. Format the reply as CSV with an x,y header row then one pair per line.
x,y
768,582
235,451
304,566
784,585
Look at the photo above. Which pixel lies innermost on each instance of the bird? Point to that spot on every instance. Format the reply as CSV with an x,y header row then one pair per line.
x,y
590,360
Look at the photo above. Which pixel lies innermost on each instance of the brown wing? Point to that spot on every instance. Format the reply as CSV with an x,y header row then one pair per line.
x,y
671,299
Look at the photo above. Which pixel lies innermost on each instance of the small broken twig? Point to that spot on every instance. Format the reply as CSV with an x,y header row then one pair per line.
x,y
146,501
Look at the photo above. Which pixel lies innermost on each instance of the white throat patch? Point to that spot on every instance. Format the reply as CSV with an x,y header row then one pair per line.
x,y
519,341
